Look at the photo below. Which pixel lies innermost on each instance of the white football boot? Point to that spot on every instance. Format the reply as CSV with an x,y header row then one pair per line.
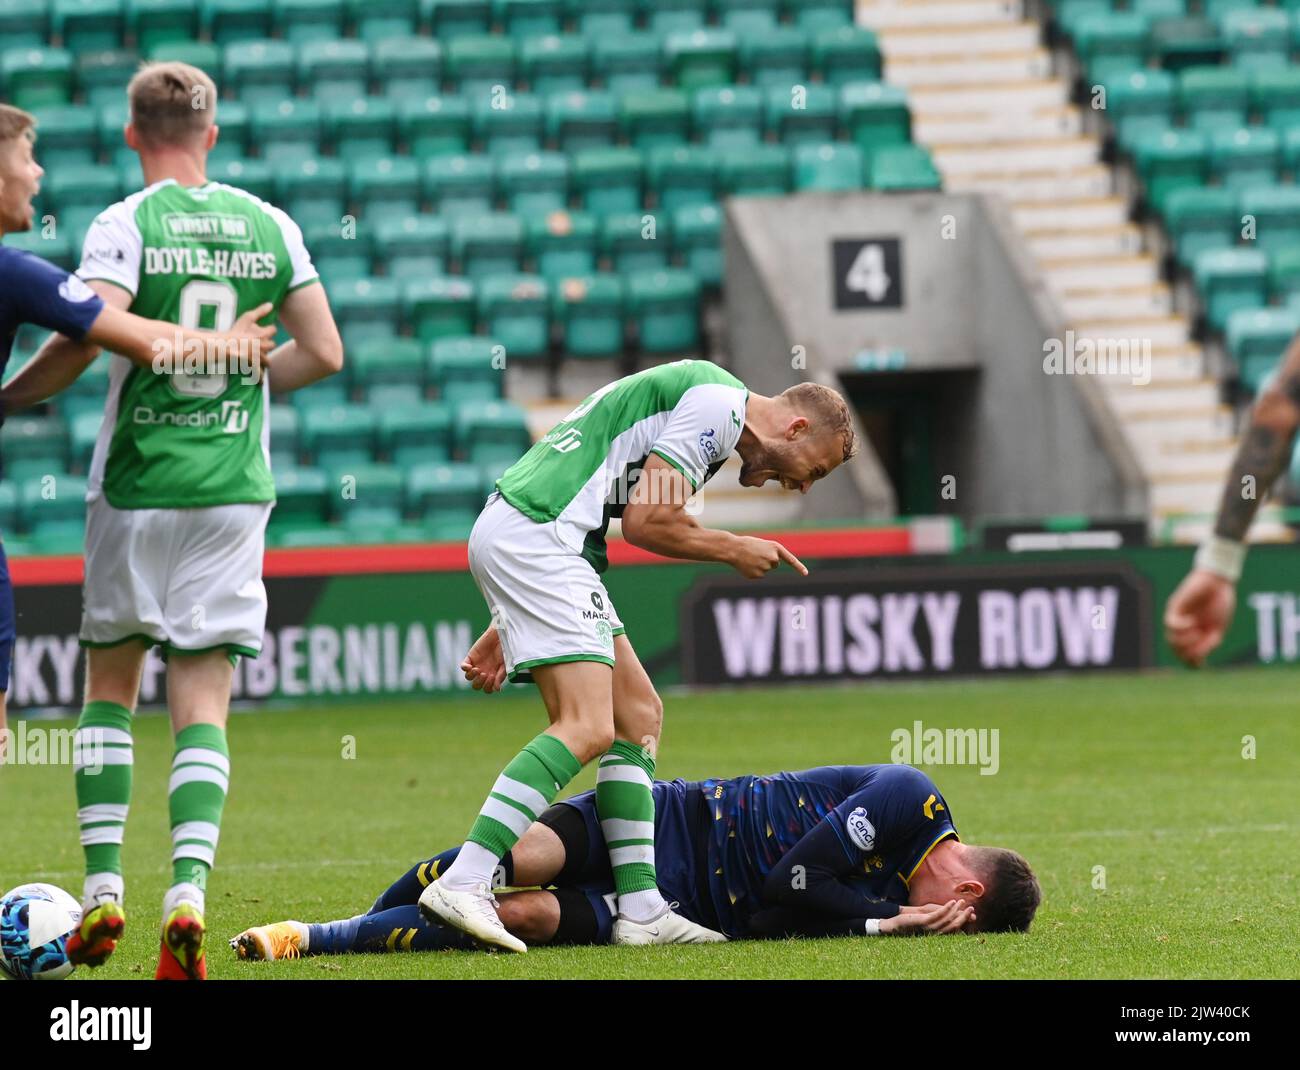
x,y
471,912
670,928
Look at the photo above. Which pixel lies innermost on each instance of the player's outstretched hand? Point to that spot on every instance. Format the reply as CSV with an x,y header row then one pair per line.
x,y
949,917
484,666
255,339
755,557
1198,614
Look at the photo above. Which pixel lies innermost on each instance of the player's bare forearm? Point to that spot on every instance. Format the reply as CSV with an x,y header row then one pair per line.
x,y
316,350
675,533
1265,449
293,367
55,367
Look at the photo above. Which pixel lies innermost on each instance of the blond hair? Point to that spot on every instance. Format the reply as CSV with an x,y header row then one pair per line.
x,y
15,123
171,103
826,411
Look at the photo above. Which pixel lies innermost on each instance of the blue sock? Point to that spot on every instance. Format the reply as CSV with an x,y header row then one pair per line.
x,y
405,891
396,929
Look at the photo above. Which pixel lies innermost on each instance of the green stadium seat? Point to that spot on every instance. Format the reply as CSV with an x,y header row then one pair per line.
x,y
1069,13
603,18
233,125
581,120
1170,161
286,131
324,394
685,174
489,244
588,312
336,435
1275,94
415,433
729,116
1200,218
466,370
24,23
675,16
290,535
440,307
59,537
92,384
873,114
1276,211
103,74
83,431
1291,150
627,62
529,18
748,15
313,190
57,248
302,496
69,136
202,54
701,58
8,513
285,433
332,70
651,117
366,308
513,123
1284,276
434,126
608,180
36,77
554,63
774,59
764,170
828,166
1214,97
449,496
306,21
260,71
388,362
847,54
361,127
697,238
236,20
408,69
1256,338
33,445
387,21
78,196
533,183
1244,157
339,252
1112,44
820,14
562,243
362,487
50,497
1219,9
386,186
457,18
1141,103
412,246
1159,9
636,242
88,25
516,309
1257,37
803,114
902,167
664,306
255,176
478,65
493,432
1230,279
1187,42
461,185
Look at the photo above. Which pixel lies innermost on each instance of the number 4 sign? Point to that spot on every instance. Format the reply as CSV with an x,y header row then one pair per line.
x,y
868,273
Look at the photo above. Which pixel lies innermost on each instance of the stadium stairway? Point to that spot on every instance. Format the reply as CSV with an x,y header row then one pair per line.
x,y
993,104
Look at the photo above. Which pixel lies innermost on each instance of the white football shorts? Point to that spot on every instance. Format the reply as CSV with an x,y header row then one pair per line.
x,y
189,580
547,602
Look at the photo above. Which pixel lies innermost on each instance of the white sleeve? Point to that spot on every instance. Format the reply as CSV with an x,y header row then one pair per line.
x,y
113,249
702,430
299,259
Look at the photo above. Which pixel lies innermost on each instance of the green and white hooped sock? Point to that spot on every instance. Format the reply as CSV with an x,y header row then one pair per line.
x,y
102,764
196,796
525,788
625,803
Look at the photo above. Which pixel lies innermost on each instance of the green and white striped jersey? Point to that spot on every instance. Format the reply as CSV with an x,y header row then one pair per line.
x,y
199,257
578,476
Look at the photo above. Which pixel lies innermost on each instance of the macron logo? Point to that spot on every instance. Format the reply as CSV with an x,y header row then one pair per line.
x,y
76,1022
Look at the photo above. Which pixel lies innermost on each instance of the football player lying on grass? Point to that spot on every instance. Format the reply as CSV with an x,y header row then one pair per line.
x,y
840,850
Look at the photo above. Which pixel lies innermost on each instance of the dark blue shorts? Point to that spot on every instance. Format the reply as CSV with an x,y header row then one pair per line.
x,y
677,856
7,630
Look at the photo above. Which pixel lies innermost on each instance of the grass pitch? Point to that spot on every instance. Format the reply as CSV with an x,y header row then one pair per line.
x,y
1141,775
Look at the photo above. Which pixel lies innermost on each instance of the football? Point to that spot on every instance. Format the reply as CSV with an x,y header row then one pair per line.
x,y
35,923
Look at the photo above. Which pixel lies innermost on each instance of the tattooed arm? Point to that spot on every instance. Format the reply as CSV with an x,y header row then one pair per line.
x,y
1200,610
